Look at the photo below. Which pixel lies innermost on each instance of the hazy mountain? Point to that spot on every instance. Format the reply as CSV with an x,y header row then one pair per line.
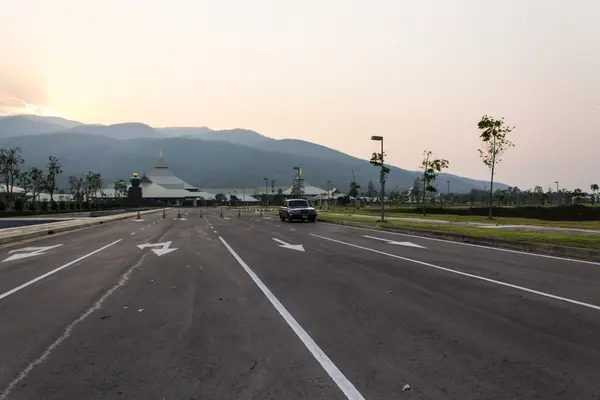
x,y
129,130
18,125
205,163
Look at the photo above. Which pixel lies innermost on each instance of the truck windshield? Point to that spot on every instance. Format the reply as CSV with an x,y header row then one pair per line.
x,y
298,204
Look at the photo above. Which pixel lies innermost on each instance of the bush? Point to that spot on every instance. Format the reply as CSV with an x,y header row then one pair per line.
x,y
54,206
44,206
62,205
18,206
31,207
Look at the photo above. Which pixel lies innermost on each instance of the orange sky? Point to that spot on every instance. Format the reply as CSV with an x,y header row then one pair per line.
x,y
332,72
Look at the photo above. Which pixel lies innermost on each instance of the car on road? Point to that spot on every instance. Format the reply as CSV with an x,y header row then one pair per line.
x,y
297,209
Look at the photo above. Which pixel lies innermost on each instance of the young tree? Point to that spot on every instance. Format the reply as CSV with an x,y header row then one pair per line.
x,y
353,190
10,171
76,188
494,144
415,190
36,182
594,187
54,169
220,197
371,191
121,188
377,161
431,168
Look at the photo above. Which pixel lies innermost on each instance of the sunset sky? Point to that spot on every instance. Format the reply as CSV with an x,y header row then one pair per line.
x,y
333,72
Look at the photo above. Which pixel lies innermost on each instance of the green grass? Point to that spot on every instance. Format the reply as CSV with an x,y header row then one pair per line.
x,y
561,239
468,218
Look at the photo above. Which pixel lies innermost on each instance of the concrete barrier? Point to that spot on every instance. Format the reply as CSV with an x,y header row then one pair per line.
x,y
528,247
49,229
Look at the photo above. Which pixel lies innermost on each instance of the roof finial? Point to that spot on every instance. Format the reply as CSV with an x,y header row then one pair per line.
x,y
160,163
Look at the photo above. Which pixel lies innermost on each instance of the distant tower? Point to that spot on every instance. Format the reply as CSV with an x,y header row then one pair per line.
x,y
298,184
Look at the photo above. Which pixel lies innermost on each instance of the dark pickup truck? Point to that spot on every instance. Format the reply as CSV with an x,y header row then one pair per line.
x,y
297,209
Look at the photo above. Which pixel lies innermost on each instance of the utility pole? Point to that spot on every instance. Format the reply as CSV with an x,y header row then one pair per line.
x,y
266,192
354,187
382,177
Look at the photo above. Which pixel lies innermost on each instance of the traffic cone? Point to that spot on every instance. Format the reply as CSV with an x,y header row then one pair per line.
x,y
138,215
179,213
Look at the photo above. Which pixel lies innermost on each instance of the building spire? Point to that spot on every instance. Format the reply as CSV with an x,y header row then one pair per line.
x,y
160,163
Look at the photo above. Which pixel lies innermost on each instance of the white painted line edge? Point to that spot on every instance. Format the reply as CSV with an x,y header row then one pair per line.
x,y
39,278
338,377
510,285
475,245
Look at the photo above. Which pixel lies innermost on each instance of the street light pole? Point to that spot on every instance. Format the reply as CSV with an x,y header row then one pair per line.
x,y
382,177
557,193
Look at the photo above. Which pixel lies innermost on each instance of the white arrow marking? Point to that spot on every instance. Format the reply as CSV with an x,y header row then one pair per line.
x,y
28,252
407,244
297,247
164,247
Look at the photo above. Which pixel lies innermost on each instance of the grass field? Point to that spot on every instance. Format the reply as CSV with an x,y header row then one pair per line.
x,y
561,239
466,218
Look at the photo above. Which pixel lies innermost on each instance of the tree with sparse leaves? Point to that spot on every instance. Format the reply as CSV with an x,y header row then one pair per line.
x,y
121,188
54,169
353,190
220,198
371,191
76,188
594,187
431,168
494,144
35,181
377,161
10,172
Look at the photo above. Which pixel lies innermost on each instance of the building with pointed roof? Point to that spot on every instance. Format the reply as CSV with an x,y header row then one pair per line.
x,y
162,184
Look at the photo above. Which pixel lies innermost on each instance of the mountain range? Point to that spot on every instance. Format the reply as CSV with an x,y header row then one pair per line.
x,y
201,156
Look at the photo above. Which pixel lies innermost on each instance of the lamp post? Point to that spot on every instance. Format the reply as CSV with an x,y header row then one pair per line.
x,y
328,193
382,180
557,193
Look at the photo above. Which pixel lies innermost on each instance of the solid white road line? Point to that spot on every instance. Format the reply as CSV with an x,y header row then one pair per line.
x,y
39,278
551,296
477,245
343,383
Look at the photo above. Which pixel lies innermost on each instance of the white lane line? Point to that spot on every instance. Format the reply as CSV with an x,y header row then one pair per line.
x,y
39,278
215,231
133,233
476,245
338,377
510,285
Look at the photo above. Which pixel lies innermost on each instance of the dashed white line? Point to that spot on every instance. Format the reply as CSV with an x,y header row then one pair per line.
x,y
133,233
338,377
510,285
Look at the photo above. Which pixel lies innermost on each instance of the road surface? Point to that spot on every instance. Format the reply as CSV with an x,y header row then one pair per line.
x,y
205,307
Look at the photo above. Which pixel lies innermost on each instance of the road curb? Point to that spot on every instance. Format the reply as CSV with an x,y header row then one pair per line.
x,y
84,224
529,247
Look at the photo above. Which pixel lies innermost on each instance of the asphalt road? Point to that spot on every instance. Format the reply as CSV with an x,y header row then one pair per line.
x,y
253,308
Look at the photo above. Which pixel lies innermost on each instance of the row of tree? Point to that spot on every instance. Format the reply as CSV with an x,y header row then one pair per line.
x,y
33,180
